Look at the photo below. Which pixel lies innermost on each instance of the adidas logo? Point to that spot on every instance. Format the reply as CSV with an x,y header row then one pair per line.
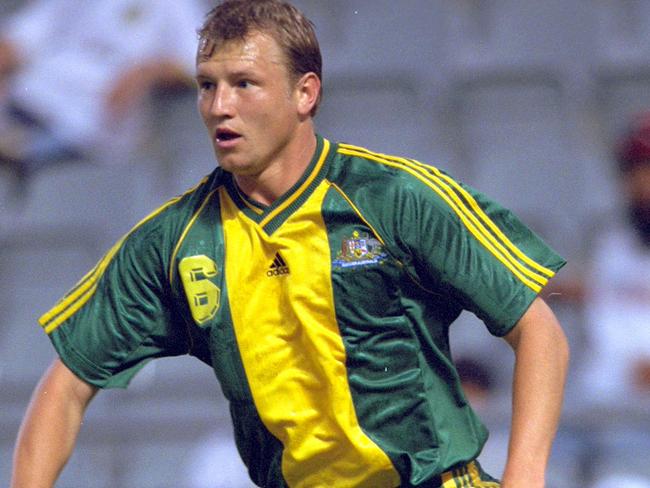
x,y
278,267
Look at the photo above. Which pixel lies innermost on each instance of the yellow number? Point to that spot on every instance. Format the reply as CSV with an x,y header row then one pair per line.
x,y
202,294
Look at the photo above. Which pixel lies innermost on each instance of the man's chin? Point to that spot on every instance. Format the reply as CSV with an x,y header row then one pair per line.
x,y
225,162
233,166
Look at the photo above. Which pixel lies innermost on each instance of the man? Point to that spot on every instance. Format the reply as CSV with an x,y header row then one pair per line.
x,y
616,303
319,281
617,290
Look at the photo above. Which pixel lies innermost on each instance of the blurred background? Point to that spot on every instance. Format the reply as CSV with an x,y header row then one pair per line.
x,y
522,99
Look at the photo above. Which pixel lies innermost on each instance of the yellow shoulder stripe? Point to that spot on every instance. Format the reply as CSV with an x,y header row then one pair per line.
x,y
493,227
185,231
86,287
532,274
79,295
357,211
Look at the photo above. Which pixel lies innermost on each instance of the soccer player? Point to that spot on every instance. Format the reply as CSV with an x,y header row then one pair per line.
x,y
319,281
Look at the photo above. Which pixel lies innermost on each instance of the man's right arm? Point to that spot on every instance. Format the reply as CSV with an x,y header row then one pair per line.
x,y
49,430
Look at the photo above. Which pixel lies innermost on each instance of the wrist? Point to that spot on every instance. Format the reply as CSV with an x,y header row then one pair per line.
x,y
518,477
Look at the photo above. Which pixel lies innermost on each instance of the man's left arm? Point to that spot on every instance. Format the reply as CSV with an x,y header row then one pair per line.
x,y
541,363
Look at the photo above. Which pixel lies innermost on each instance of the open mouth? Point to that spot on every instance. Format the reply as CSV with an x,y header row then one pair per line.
x,y
225,135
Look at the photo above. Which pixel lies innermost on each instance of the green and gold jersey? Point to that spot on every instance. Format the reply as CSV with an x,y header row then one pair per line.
x,y
325,315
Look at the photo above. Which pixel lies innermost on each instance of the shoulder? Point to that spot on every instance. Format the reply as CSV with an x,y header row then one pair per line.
x,y
390,178
160,231
364,161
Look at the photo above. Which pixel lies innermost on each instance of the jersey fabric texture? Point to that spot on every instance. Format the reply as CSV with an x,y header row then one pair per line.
x,y
325,315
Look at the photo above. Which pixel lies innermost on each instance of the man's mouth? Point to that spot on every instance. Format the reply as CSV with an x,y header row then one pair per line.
x,y
225,135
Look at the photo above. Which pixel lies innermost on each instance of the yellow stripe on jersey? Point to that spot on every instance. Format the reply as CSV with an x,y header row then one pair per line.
x,y
244,199
284,205
184,234
453,189
80,295
495,229
467,476
291,348
501,248
475,478
86,287
453,479
357,211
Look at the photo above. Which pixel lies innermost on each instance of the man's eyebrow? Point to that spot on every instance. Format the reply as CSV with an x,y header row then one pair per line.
x,y
234,74
242,73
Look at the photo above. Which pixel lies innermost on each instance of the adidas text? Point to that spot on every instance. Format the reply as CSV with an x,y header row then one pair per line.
x,y
278,271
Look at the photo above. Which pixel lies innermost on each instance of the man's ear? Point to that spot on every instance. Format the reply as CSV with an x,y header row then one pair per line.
x,y
308,90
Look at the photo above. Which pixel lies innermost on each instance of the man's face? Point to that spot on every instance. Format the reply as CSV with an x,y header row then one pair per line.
x,y
247,102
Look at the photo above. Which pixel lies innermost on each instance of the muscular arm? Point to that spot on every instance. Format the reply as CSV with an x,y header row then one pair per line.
x,y
541,362
49,430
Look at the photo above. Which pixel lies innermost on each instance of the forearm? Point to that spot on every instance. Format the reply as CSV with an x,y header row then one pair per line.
x,y
542,353
50,428
133,85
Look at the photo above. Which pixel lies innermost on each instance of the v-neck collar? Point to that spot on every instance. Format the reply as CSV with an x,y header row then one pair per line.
x,y
272,216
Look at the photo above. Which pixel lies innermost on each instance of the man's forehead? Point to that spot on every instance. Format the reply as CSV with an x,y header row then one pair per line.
x,y
255,46
205,50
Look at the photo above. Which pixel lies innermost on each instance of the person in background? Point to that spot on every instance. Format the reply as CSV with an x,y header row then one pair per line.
x,y
74,74
613,375
617,290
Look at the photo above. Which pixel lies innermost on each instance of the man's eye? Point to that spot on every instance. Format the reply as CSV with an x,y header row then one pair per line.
x,y
243,84
206,85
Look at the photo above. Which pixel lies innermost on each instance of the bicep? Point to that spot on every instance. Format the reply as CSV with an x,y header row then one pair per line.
x,y
539,324
60,390
61,380
57,406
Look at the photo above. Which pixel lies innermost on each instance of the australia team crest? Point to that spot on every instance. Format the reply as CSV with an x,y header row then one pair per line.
x,y
359,249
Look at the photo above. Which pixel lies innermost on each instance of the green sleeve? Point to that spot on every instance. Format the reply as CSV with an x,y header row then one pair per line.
x,y
471,248
119,316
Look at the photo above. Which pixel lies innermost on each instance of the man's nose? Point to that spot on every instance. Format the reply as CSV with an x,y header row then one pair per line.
x,y
222,103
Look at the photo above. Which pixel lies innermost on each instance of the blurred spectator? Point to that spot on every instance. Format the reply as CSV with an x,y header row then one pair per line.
x,y
615,297
73,74
617,293
614,294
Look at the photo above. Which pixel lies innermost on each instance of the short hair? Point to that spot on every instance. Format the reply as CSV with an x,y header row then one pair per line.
x,y
234,20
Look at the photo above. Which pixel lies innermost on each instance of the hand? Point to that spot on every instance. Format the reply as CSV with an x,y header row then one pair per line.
x,y
128,90
132,86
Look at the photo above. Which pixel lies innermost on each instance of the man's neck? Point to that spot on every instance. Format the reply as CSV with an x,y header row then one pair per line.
x,y
278,178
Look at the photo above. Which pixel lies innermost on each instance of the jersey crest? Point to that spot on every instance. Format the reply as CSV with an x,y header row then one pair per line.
x,y
358,250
